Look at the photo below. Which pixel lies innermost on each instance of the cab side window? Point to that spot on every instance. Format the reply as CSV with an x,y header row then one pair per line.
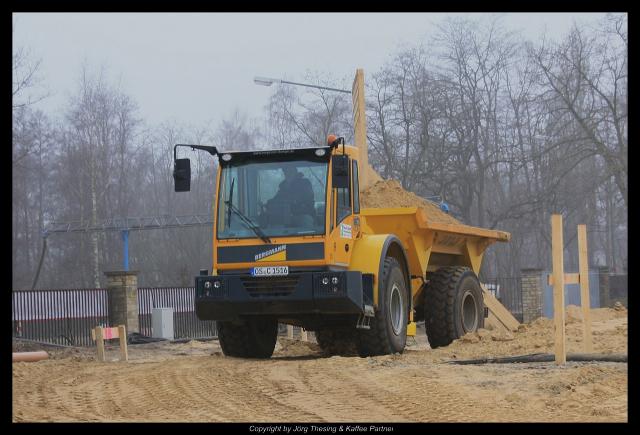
x,y
356,187
343,204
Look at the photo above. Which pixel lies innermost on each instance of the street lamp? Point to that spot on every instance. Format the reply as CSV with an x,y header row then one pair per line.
x,y
265,81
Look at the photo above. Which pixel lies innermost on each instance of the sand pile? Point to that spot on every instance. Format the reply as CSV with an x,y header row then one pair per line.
x,y
573,313
294,348
609,331
389,193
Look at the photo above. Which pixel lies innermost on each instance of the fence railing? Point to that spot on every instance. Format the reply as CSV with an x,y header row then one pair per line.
x,y
62,316
66,316
619,288
185,322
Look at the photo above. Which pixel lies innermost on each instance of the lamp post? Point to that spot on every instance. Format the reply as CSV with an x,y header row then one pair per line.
x,y
265,81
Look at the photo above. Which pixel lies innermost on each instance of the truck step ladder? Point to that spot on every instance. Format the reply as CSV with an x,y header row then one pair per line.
x,y
364,319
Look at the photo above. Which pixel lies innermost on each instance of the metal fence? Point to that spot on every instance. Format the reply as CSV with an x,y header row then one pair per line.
x,y
66,316
63,316
185,322
572,293
508,290
619,288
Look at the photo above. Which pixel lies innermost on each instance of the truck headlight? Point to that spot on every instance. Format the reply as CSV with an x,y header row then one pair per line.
x,y
325,280
334,280
216,284
207,284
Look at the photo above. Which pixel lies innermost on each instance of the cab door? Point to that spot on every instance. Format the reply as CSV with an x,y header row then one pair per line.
x,y
345,218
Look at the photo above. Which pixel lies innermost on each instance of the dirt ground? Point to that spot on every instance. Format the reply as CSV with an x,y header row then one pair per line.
x,y
194,382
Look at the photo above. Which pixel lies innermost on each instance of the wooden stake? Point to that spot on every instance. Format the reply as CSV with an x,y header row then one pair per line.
x,y
304,335
122,336
290,331
569,278
100,343
584,288
557,247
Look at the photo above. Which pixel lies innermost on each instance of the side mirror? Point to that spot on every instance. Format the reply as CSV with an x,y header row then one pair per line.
x,y
340,171
182,175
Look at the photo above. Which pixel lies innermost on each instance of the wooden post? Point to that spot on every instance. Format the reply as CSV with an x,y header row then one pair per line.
x,y
304,335
100,334
122,336
290,332
584,288
557,248
100,343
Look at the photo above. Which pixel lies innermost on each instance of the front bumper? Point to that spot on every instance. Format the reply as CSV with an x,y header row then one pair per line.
x,y
230,296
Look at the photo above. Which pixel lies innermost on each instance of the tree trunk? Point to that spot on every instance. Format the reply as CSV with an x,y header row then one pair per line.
x,y
94,235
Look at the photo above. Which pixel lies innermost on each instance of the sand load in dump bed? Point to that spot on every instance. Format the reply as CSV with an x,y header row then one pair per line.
x,y
390,194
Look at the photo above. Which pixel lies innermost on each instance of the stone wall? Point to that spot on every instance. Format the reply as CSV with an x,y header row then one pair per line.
x,y
605,300
531,294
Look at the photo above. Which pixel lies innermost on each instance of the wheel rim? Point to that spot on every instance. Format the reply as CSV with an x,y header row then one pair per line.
x,y
469,312
395,309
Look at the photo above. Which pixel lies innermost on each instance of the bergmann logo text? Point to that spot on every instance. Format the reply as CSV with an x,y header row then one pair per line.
x,y
270,252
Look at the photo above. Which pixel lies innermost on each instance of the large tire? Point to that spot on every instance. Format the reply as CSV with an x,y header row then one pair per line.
x,y
337,341
453,305
388,333
255,338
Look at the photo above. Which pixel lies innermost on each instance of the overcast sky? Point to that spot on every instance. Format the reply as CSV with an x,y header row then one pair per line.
x,y
198,68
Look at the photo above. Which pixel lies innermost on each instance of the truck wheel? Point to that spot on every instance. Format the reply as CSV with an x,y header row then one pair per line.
x,y
453,305
255,338
337,341
388,333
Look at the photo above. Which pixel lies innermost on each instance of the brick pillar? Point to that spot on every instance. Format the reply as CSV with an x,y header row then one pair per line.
x,y
122,291
603,284
531,294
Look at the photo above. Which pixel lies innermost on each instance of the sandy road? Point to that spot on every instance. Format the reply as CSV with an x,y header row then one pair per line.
x,y
195,382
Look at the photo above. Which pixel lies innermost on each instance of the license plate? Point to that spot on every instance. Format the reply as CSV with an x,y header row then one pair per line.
x,y
270,271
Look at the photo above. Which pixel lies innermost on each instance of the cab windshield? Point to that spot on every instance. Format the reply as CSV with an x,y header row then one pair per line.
x,y
262,199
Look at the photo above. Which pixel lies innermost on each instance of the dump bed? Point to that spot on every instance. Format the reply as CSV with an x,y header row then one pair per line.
x,y
431,243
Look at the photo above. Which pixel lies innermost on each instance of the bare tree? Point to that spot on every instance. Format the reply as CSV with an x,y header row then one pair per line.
x,y
306,118
587,73
26,77
505,130
101,124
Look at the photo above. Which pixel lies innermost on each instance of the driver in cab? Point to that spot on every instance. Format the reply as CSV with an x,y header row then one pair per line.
x,y
294,201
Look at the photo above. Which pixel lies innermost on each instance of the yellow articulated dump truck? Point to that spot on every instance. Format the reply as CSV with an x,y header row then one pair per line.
x,y
291,244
